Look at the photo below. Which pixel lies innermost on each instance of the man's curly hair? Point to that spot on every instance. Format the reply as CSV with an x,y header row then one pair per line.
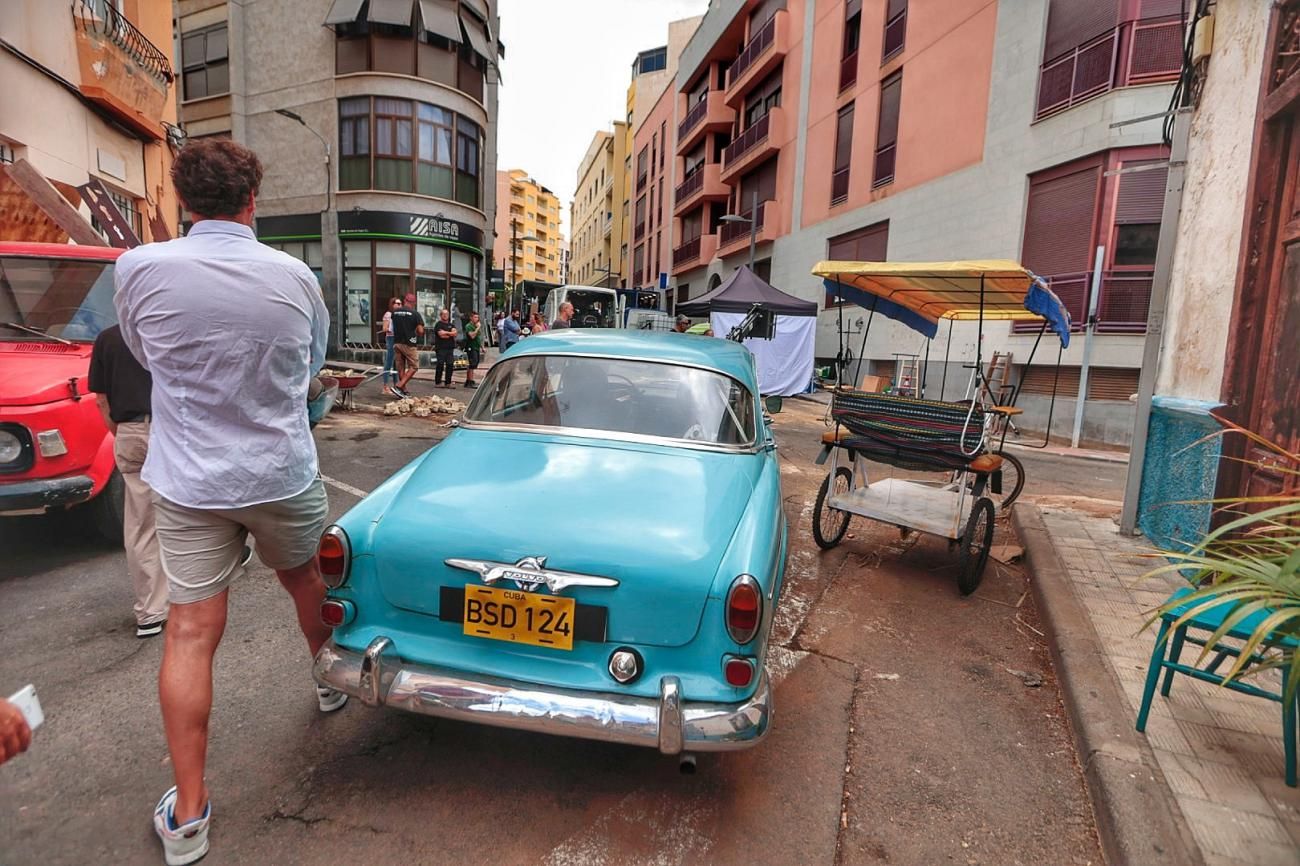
x,y
215,177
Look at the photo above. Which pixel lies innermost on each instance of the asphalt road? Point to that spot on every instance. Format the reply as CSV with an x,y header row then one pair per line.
x,y
902,735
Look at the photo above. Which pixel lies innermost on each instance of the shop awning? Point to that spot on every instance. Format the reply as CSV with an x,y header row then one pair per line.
x,y
396,12
343,12
439,17
476,36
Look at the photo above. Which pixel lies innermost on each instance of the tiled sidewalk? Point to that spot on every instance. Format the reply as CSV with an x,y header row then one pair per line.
x,y
1220,752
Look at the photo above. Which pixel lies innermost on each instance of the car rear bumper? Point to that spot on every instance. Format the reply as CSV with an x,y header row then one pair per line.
x,y
41,493
379,677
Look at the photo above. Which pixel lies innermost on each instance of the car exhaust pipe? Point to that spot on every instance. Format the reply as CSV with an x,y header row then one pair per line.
x,y
686,763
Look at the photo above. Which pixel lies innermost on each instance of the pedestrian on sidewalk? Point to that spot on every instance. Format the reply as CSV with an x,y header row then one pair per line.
x,y
231,331
408,328
122,389
444,348
390,372
473,348
564,318
510,329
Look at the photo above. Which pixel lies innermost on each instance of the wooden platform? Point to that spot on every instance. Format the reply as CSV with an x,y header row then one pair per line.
x,y
906,503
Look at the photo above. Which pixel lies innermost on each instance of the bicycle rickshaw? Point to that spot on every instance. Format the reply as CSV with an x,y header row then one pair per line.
x,y
961,440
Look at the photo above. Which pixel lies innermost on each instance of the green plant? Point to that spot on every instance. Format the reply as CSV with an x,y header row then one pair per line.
x,y
1253,561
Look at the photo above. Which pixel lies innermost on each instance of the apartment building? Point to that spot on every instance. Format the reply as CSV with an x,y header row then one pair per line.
x,y
881,129
526,209
88,104
377,126
596,215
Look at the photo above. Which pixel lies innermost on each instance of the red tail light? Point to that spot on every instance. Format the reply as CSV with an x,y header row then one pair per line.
x,y
335,613
739,672
744,609
335,555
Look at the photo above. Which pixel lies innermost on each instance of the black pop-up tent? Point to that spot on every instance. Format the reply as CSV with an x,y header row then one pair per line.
x,y
784,362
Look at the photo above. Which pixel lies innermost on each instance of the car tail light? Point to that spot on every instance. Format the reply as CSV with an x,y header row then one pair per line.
x,y
335,613
335,555
744,609
739,672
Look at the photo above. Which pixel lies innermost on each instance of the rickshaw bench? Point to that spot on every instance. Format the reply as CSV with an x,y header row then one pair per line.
x,y
911,433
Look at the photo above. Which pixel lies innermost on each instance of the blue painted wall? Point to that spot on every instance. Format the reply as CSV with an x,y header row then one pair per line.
x,y
1179,475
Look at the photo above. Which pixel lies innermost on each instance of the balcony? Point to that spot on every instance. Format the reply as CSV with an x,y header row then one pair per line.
x,y
849,71
705,185
764,50
1153,49
711,114
733,237
694,253
763,138
121,70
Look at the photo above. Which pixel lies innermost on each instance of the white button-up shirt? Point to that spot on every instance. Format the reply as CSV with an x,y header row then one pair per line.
x,y
232,332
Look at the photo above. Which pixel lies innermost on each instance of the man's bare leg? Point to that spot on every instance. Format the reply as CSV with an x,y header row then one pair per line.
x,y
308,590
185,692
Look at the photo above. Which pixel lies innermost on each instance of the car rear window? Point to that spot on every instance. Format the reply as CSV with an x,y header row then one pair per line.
x,y
647,398
58,297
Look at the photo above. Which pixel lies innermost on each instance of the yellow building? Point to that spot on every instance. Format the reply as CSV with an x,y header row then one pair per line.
x,y
596,223
526,209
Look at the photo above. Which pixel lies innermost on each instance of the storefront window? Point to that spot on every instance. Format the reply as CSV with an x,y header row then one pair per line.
x,y
377,271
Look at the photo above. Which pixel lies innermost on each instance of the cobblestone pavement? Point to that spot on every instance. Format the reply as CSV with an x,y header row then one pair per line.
x,y
1220,751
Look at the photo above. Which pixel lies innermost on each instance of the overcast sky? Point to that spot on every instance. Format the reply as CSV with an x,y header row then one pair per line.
x,y
568,64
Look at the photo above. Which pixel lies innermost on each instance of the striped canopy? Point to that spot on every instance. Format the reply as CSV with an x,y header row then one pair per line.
x,y
919,294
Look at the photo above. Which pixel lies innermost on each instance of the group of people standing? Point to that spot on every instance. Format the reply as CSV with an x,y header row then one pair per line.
x,y
403,330
511,330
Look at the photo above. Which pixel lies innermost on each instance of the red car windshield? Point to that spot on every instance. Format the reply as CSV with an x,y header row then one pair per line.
x,y
63,298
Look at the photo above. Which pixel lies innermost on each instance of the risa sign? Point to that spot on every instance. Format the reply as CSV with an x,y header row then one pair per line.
x,y
409,225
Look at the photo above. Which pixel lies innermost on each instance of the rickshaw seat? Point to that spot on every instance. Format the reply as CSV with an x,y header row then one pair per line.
x,y
986,463
836,436
1005,410
909,432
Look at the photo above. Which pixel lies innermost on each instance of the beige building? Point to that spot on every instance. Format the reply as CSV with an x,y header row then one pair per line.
x,y
596,221
88,98
526,209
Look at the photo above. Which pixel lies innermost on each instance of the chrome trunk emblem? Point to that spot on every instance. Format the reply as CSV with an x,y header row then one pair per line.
x,y
529,573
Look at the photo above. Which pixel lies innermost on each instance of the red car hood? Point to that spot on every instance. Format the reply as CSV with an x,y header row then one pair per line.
x,y
32,373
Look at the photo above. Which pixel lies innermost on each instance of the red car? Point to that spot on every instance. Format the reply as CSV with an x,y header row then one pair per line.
x,y
55,450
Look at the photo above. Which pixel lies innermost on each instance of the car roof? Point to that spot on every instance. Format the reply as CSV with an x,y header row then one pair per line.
x,y
726,357
59,251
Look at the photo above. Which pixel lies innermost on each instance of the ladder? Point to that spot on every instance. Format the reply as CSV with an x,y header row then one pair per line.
x,y
996,388
907,374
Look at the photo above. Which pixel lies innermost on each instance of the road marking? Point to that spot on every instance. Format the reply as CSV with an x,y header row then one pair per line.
x,y
346,488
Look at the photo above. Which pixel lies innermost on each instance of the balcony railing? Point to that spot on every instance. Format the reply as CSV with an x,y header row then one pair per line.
x,y
733,231
895,34
1122,302
849,71
687,252
1154,52
694,116
690,186
754,49
748,139
104,20
839,185
883,172
640,230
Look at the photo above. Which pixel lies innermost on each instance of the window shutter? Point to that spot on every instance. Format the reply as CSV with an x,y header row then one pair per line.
x,y
853,7
1071,23
1160,8
844,137
1141,195
894,7
863,245
891,92
1059,222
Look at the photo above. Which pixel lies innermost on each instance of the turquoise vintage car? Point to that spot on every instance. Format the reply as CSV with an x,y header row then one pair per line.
x,y
596,551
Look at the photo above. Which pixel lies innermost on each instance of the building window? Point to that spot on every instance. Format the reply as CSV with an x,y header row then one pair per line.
x,y
763,99
398,144
663,136
436,51
867,244
891,96
377,271
654,60
6,152
205,63
843,155
852,37
130,210
895,28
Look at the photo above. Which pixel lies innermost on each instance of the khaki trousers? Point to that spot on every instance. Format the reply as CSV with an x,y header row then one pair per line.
x,y
139,536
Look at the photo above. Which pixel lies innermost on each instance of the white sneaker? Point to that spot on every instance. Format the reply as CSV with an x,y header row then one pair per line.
x,y
186,843
330,699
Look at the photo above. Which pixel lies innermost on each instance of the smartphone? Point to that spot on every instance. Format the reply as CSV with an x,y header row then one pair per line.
x,y
29,705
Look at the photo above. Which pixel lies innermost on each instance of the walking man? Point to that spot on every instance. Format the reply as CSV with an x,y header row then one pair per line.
x,y
444,348
509,331
473,348
121,389
231,332
564,318
408,328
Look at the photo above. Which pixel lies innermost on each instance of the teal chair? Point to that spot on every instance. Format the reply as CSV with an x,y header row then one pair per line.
x,y
1166,654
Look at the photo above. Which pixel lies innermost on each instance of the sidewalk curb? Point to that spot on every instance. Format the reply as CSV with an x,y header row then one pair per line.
x,y
1138,819
1120,458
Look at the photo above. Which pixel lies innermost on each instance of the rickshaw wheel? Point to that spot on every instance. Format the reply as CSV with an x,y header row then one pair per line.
x,y
1012,479
830,524
975,544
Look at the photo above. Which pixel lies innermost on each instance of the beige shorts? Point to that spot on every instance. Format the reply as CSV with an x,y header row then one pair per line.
x,y
410,353
201,547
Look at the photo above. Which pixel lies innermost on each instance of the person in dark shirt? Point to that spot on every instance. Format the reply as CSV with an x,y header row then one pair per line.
x,y
408,328
444,348
563,318
122,389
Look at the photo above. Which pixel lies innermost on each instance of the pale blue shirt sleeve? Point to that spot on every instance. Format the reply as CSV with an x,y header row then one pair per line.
x,y
320,322
122,280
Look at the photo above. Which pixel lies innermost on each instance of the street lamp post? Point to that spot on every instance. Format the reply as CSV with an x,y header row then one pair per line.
x,y
752,219
292,115
515,241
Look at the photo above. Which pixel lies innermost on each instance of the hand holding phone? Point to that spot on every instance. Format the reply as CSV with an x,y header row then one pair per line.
x,y
18,716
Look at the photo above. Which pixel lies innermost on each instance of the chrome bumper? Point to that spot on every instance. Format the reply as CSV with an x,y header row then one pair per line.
x,y
379,677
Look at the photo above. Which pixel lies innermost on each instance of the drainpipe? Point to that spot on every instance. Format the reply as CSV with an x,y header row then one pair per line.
x,y
1169,217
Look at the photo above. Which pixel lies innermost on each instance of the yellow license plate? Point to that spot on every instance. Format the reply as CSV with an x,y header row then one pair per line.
x,y
519,617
